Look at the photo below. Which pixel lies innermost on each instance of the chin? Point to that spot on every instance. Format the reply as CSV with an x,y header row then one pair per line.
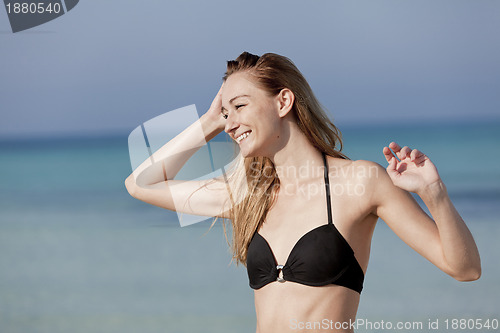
x,y
248,152
253,153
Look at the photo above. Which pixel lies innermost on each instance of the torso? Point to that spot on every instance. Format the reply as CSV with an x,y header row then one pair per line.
x,y
283,307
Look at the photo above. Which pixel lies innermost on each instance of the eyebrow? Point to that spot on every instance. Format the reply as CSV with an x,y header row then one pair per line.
x,y
232,99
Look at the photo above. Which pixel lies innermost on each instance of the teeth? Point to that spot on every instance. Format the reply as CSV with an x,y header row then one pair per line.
x,y
242,136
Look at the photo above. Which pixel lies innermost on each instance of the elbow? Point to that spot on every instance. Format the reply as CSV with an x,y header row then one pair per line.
x,y
472,274
130,185
468,277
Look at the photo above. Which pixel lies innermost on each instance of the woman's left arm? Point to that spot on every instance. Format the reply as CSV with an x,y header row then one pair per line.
x,y
445,241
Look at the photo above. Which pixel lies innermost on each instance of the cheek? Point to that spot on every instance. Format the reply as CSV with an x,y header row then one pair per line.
x,y
268,122
269,127
273,120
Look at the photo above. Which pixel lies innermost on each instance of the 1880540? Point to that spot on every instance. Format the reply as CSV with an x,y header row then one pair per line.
x,y
33,8
471,324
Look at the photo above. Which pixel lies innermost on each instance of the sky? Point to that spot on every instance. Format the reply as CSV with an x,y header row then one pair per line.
x,y
107,66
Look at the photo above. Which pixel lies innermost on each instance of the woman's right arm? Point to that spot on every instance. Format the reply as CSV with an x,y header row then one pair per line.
x,y
152,181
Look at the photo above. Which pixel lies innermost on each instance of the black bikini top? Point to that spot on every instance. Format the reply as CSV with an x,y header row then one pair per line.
x,y
320,257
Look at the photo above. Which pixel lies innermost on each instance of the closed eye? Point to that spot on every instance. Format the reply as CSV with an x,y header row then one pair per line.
x,y
239,106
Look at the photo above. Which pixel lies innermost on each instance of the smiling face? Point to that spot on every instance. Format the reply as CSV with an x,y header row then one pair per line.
x,y
253,117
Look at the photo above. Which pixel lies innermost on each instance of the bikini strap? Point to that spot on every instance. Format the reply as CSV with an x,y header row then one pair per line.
x,y
327,187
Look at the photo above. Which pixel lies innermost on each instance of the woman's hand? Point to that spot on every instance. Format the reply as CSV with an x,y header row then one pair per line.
x,y
414,172
214,113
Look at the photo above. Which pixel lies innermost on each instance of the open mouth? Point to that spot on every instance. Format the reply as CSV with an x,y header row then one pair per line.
x,y
243,136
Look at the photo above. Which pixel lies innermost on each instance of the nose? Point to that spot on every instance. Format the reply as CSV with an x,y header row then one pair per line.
x,y
231,123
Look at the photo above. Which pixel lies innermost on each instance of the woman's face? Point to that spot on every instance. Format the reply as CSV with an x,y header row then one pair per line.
x,y
252,115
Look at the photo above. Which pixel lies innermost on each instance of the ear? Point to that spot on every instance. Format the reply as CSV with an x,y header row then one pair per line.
x,y
285,99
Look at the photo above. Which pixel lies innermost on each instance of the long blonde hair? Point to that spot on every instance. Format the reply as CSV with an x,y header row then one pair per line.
x,y
272,73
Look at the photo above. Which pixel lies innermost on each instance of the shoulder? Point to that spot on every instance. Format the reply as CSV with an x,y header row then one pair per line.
x,y
360,171
366,180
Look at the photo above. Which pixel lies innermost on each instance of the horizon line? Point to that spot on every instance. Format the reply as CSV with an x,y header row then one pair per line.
x,y
347,125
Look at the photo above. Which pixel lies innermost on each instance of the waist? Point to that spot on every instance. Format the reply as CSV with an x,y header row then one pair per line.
x,y
286,307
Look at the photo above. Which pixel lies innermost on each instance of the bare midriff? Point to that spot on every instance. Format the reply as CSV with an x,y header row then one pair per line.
x,y
293,307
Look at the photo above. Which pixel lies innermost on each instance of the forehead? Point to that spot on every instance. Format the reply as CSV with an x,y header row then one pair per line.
x,y
238,84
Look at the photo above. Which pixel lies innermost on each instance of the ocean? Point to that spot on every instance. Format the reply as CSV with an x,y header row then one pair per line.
x,y
78,254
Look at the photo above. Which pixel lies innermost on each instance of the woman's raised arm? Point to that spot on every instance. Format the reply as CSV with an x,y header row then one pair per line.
x,y
444,240
152,181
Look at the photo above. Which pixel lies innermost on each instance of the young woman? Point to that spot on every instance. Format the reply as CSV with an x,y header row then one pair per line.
x,y
302,213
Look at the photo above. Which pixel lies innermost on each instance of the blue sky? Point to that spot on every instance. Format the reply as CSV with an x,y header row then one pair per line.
x,y
107,66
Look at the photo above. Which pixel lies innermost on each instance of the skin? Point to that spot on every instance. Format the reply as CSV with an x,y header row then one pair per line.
x,y
382,193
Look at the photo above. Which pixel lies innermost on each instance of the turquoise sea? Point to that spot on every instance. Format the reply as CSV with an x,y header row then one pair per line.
x,y
78,254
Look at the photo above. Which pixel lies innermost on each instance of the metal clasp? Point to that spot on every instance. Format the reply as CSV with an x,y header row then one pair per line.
x,y
280,274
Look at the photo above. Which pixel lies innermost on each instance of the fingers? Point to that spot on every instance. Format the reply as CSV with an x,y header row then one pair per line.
x,y
388,154
404,153
414,155
217,101
394,146
392,168
215,112
418,157
401,153
397,150
392,164
220,90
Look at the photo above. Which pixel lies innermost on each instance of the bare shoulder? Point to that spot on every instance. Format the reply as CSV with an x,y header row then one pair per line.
x,y
359,182
358,171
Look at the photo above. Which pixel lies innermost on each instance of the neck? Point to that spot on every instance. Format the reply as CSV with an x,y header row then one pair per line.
x,y
298,161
